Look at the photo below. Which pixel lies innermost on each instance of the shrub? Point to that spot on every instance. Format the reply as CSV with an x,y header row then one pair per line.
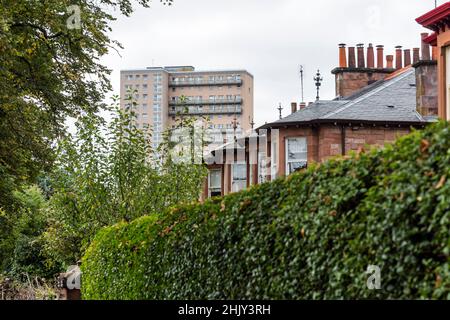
x,y
310,236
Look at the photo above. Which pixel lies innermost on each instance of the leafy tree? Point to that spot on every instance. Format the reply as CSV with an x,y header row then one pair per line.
x,y
48,71
108,173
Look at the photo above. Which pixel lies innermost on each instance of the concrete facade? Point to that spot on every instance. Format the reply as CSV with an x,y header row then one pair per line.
x,y
163,95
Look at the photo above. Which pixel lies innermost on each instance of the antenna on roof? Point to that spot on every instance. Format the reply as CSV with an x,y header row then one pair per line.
x,y
301,81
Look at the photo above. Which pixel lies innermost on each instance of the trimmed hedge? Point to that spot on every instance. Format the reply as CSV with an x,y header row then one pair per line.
x,y
310,236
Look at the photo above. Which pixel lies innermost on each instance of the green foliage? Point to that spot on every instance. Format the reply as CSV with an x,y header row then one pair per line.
x,y
22,248
48,73
311,236
109,173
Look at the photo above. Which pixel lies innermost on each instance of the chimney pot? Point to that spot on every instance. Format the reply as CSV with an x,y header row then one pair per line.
x,y
380,56
416,55
407,53
390,61
294,107
425,47
361,59
351,57
398,58
370,56
302,105
342,56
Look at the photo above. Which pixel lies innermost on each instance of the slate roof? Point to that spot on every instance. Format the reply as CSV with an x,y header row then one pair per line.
x,y
392,100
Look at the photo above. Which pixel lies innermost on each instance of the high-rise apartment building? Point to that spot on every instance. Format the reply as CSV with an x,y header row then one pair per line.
x,y
164,94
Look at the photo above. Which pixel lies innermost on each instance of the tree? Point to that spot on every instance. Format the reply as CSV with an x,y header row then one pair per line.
x,y
108,173
48,71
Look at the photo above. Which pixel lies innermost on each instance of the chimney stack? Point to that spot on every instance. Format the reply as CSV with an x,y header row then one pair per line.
x,y
355,72
398,57
361,59
294,107
351,57
370,57
407,53
416,55
390,61
342,56
302,105
380,57
425,48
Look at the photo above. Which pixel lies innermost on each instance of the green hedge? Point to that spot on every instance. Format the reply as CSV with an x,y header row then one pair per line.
x,y
311,236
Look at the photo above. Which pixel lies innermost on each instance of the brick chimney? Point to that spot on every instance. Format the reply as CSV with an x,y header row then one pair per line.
x,y
390,61
357,73
416,55
351,57
361,60
302,105
293,107
425,48
407,54
398,57
342,56
380,56
370,57
426,80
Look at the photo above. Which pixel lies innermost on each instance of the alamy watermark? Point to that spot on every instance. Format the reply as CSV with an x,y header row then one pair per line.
x,y
73,22
374,280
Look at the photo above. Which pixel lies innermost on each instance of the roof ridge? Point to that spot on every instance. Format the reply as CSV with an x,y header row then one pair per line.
x,y
387,84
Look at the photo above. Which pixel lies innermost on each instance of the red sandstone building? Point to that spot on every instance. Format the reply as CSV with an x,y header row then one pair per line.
x,y
438,20
376,102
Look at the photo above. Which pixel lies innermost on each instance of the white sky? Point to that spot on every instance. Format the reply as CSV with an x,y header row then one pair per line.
x,y
269,38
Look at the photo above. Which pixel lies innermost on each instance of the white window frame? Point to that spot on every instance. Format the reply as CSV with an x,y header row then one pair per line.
x,y
288,161
209,181
262,167
244,182
274,157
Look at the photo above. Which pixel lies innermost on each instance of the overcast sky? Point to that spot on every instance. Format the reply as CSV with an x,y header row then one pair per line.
x,y
269,38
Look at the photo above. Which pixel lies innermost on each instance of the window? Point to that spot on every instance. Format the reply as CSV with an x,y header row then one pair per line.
x,y
145,77
144,116
296,154
144,86
239,177
130,77
274,155
145,96
262,167
215,183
